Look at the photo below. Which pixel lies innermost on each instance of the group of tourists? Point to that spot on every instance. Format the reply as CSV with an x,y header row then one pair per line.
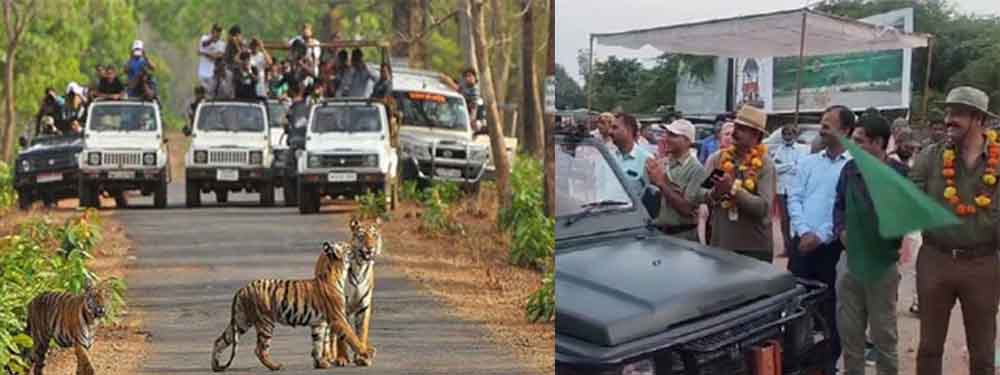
x,y
824,241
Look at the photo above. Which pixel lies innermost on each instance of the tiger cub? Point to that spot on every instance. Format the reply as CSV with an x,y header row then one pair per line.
x,y
317,302
366,241
69,319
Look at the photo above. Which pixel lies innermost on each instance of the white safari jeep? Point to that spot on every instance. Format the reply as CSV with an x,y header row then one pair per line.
x,y
123,150
230,151
435,136
347,153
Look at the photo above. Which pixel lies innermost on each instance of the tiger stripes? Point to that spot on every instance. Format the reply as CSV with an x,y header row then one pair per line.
x,y
68,319
366,243
317,302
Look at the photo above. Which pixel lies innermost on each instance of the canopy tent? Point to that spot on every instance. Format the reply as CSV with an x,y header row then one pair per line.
x,y
798,32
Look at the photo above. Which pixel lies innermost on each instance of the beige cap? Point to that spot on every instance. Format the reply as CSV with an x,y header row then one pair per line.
x,y
752,117
681,127
970,97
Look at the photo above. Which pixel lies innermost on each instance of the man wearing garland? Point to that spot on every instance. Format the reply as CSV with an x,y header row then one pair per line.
x,y
814,249
742,196
961,261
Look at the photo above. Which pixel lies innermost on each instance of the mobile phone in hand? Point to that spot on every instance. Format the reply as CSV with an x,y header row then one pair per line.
x,y
710,181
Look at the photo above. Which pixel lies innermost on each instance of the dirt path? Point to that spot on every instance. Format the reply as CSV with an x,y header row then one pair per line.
x,y
190,262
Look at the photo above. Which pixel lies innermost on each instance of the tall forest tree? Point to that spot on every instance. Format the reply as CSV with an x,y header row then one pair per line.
x,y
497,144
530,102
16,16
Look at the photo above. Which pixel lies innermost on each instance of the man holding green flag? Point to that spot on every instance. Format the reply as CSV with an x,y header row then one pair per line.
x,y
960,261
868,277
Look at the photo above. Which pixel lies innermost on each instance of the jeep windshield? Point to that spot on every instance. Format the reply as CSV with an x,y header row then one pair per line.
x,y
123,118
55,139
586,182
231,118
433,110
346,119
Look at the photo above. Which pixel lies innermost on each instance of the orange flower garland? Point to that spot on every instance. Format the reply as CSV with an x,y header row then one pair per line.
x,y
983,199
748,169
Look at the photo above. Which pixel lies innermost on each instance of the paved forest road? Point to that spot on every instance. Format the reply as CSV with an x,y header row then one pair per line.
x,y
190,262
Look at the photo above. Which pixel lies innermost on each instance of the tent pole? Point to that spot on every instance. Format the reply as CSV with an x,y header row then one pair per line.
x,y
798,75
927,77
590,73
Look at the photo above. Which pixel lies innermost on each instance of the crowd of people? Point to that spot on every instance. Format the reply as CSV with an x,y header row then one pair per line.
x,y
728,193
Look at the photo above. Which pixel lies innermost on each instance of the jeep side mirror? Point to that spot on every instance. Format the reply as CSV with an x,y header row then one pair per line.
x,y
22,141
187,131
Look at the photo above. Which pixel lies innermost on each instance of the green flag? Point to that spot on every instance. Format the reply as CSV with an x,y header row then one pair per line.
x,y
900,208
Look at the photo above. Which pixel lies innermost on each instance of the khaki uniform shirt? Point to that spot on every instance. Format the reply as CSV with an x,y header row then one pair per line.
x,y
976,231
685,176
751,231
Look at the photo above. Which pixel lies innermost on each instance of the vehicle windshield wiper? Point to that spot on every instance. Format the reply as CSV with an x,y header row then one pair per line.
x,y
591,207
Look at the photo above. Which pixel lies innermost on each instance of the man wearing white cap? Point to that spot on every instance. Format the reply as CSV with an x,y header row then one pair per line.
x,y
136,64
678,177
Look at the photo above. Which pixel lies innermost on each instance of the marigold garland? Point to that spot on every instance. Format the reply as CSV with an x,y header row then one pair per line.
x,y
989,178
748,169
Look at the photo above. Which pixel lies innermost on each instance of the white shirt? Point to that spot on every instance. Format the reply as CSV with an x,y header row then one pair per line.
x,y
786,159
206,66
258,61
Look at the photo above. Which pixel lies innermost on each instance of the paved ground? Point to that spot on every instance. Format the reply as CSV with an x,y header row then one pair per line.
x,y
190,262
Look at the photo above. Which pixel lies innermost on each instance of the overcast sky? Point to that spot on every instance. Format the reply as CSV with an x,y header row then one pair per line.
x,y
577,19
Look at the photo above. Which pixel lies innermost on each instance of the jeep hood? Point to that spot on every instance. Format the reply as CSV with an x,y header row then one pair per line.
x,y
617,291
56,145
123,140
230,140
346,142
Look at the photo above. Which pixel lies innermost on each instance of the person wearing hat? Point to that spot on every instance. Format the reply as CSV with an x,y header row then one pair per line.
x,y
814,250
742,194
137,64
960,262
211,48
867,288
73,111
678,176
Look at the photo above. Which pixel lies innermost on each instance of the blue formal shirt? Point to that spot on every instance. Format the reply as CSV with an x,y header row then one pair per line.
x,y
811,197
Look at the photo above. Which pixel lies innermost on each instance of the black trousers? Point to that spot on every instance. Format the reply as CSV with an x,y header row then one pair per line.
x,y
820,265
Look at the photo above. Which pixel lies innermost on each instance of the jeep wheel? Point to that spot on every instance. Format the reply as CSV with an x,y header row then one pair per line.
x,y
221,195
192,194
160,194
24,199
88,195
308,199
290,190
267,194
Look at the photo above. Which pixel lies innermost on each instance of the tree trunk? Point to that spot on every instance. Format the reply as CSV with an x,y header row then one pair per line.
x,y
419,9
401,24
10,124
532,113
465,34
550,123
497,143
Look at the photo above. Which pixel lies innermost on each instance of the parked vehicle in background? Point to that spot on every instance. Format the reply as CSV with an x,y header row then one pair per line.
x,y
124,150
347,153
230,151
46,169
437,142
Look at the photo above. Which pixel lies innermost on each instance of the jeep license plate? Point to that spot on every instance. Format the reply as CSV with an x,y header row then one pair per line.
x,y
49,177
342,177
121,175
227,175
449,172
